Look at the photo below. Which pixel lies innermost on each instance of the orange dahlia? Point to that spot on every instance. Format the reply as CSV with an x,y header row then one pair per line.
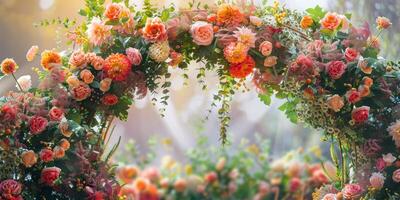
x,y
117,67
229,15
235,52
8,66
243,69
50,59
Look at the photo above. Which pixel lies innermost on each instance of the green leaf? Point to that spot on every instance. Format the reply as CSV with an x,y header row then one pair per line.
x,y
82,12
348,15
265,98
316,13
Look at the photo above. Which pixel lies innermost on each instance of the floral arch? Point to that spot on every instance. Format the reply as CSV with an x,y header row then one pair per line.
x,y
53,136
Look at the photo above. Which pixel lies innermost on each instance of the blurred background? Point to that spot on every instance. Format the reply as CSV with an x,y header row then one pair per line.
x,y
188,105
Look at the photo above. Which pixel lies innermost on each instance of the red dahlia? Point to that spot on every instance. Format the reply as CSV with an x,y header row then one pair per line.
x,y
117,67
243,69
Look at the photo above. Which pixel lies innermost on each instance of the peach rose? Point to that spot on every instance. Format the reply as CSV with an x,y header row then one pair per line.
x,y
383,23
72,81
306,22
87,76
113,11
202,33
335,102
220,164
270,61
180,185
32,52
331,21
96,61
105,84
266,48
364,67
256,21
78,59
81,92
64,128
64,143
155,30
59,152
29,158
368,81
127,173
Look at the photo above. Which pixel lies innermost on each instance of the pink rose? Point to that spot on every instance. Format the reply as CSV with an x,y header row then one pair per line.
x,y
380,164
266,48
152,173
134,56
37,124
295,184
56,114
377,180
352,191
383,22
211,177
10,189
389,159
396,176
335,102
336,69
46,155
32,52
360,114
353,96
351,54
49,175
329,196
202,33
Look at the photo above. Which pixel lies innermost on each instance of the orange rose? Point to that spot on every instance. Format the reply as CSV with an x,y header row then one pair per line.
x,y
331,21
64,143
87,76
364,67
64,129
50,59
127,173
8,66
113,11
155,30
368,81
59,152
29,158
141,184
306,22
364,90
180,185
270,61
105,84
72,81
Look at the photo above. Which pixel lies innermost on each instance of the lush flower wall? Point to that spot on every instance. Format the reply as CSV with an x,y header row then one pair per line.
x,y
54,136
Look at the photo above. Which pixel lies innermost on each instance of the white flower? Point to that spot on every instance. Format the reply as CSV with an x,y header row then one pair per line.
x,y
25,82
394,131
389,158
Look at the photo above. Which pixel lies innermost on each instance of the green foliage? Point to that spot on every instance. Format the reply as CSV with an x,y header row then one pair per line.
x,y
316,13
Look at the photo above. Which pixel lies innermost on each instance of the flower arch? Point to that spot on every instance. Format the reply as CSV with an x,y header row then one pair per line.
x,y
53,136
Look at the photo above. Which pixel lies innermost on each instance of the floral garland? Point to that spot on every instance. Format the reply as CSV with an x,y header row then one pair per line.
x,y
328,71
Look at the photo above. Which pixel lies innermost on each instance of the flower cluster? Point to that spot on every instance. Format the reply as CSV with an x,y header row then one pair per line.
x,y
244,174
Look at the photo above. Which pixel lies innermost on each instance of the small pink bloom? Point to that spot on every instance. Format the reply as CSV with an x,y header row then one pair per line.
x,y
351,54
383,22
202,33
10,190
134,56
266,48
380,164
49,175
25,82
377,180
211,177
37,124
31,54
361,114
56,114
352,191
336,69
353,96
46,155
295,184
329,196
389,159
396,176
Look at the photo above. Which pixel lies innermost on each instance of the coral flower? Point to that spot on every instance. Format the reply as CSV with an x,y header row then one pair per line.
x,y
8,66
229,15
245,36
306,22
155,30
113,11
331,21
32,52
117,67
50,59
98,32
235,52
243,69
383,22
394,131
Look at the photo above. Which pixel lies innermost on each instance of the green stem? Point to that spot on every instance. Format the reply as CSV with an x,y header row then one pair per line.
x,y
15,79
